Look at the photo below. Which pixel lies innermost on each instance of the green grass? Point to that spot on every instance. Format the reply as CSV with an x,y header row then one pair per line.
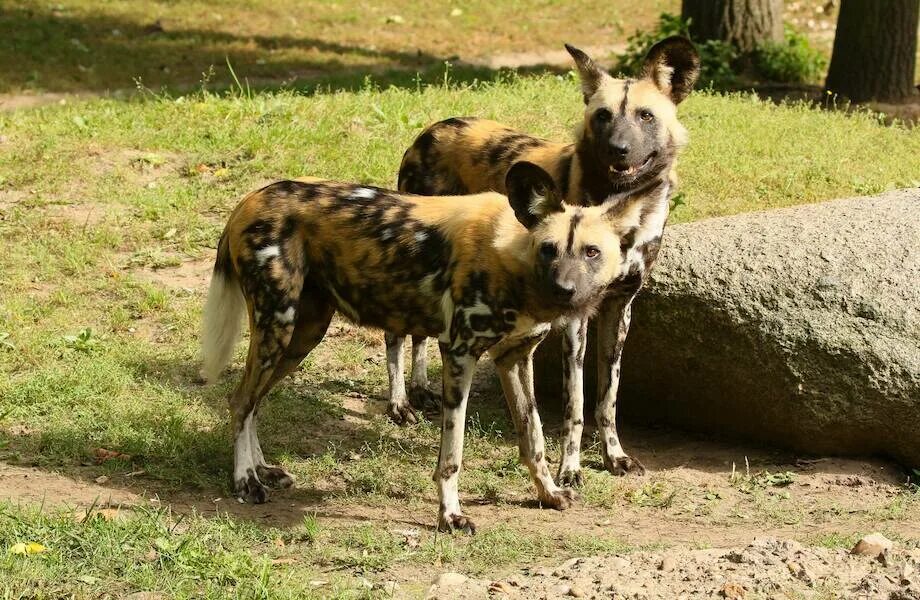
x,y
101,200
87,45
151,550
154,550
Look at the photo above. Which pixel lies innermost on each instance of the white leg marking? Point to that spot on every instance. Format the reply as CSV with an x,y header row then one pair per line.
x,y
516,381
242,451
255,448
396,364
420,364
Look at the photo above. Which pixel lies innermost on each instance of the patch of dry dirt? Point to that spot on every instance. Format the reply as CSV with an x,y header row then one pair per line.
x,y
190,275
740,553
765,568
38,486
138,169
825,496
554,58
25,100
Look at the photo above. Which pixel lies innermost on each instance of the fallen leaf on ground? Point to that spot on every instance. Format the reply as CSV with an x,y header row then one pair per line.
x,y
102,455
27,548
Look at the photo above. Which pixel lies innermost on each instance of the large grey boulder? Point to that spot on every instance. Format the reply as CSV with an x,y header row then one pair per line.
x,y
798,327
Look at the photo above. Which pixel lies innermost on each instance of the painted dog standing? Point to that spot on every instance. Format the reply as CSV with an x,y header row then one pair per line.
x,y
625,148
476,273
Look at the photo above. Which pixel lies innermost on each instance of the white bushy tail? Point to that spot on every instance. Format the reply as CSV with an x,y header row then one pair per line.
x,y
223,313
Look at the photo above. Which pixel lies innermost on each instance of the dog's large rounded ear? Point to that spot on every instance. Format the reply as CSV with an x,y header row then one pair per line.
x,y
673,65
589,72
531,193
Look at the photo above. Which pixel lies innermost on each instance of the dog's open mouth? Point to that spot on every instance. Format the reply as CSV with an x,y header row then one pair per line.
x,y
629,171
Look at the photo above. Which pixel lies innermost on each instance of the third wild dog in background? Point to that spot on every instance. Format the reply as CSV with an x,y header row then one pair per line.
x,y
624,151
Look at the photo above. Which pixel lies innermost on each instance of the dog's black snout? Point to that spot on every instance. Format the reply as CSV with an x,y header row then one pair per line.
x,y
619,148
564,290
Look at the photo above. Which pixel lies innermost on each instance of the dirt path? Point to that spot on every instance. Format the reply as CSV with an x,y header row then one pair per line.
x,y
765,568
717,542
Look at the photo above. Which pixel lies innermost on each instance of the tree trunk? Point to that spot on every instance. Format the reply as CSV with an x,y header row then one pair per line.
x,y
742,23
875,50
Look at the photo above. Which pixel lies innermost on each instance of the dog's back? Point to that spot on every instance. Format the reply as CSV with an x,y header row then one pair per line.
x,y
467,155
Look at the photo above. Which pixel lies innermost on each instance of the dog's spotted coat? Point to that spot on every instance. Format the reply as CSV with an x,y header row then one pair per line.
x,y
624,152
484,273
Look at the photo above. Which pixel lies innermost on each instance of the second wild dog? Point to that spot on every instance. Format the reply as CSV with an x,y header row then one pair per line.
x,y
625,149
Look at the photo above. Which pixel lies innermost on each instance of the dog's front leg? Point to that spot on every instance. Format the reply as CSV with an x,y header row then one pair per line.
x,y
514,364
574,342
612,328
457,377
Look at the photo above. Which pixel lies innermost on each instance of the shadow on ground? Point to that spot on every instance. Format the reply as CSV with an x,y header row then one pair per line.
x,y
57,53
301,420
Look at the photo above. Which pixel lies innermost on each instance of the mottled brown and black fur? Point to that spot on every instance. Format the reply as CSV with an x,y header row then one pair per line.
x,y
482,273
624,151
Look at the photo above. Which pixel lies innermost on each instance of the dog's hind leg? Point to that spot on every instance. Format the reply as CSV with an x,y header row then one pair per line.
x,y
421,395
399,409
273,289
314,313
266,348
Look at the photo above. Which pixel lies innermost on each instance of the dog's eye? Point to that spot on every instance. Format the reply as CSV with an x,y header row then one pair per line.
x,y
646,116
603,115
548,250
592,252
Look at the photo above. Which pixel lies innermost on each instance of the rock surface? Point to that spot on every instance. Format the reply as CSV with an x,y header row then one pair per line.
x,y
874,546
798,327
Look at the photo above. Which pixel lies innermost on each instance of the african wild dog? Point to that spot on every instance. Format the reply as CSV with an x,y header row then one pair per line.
x,y
478,274
625,149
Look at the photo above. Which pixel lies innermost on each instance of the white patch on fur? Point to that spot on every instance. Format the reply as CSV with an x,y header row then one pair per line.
x,y
479,308
266,253
421,236
663,76
364,193
420,364
220,328
447,314
539,205
652,227
451,452
255,448
242,456
386,234
286,316
655,220
396,374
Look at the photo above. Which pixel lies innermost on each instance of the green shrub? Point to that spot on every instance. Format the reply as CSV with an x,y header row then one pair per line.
x,y
716,57
791,61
